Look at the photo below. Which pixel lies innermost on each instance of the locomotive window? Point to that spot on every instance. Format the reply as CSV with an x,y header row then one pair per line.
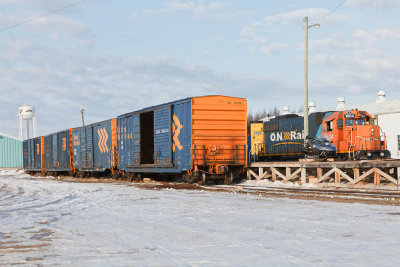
x,y
349,122
360,122
339,123
271,127
329,126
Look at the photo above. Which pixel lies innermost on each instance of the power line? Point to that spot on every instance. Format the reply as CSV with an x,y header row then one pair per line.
x,y
332,11
41,16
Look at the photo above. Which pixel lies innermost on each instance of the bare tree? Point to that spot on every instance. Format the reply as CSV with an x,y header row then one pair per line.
x,y
250,117
301,109
257,116
275,112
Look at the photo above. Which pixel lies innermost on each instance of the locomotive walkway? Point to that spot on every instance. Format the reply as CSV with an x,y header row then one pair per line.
x,y
366,174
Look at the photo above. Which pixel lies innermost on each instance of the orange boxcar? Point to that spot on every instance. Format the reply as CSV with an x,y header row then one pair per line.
x,y
219,135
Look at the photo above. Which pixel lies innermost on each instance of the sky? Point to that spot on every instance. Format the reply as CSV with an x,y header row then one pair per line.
x,y
113,57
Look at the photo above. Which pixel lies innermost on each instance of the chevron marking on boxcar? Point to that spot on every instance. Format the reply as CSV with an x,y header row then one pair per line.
x,y
105,135
100,140
176,131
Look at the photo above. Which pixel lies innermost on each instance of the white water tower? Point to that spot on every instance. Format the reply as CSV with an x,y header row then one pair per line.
x,y
285,110
341,103
311,107
26,113
381,96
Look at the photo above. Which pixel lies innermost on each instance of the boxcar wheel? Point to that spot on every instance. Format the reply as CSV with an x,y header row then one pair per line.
x,y
115,174
228,177
203,179
130,176
187,178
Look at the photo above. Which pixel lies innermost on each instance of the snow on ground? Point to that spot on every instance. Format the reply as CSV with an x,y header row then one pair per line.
x,y
265,182
53,222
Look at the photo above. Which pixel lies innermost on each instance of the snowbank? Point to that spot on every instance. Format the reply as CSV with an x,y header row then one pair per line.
x,y
14,172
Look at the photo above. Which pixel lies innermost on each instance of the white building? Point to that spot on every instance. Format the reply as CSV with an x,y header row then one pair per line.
x,y
387,113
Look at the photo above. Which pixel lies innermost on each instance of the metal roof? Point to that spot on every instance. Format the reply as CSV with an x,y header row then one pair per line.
x,y
386,107
12,137
168,103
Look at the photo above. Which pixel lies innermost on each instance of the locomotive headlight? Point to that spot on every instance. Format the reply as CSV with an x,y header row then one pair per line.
x,y
372,131
382,154
369,154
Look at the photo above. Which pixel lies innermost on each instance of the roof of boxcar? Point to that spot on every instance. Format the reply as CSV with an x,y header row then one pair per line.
x,y
90,124
169,103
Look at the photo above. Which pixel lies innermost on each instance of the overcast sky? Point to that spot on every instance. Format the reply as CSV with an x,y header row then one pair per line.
x,y
112,57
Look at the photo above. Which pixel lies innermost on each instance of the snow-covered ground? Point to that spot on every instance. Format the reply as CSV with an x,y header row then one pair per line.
x,y
269,183
92,224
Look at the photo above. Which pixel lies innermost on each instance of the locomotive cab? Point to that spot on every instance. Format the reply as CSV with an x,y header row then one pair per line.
x,y
355,135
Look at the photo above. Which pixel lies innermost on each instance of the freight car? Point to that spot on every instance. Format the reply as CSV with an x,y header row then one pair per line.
x,y
33,155
57,152
199,138
94,148
352,132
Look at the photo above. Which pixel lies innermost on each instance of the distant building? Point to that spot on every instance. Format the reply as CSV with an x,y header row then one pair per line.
x,y
10,152
387,113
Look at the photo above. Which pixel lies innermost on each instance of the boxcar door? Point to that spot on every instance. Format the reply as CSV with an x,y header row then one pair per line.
x,y
102,145
162,137
136,140
87,147
35,163
37,159
55,150
31,153
129,137
63,150
77,149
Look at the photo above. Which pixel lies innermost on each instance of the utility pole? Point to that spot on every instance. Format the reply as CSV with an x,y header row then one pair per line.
x,y
83,120
306,127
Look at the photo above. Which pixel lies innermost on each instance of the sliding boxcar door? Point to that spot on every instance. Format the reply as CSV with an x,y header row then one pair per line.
x,y
87,147
162,137
54,151
136,140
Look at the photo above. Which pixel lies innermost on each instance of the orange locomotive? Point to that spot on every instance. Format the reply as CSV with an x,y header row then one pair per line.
x,y
355,135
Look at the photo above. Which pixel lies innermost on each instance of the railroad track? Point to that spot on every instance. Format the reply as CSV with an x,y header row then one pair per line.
x,y
323,194
340,195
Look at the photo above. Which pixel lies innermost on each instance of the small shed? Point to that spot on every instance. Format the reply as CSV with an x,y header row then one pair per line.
x,y
10,152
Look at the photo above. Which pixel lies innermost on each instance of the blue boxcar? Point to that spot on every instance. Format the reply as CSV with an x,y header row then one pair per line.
x,y
33,157
146,139
94,147
57,151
